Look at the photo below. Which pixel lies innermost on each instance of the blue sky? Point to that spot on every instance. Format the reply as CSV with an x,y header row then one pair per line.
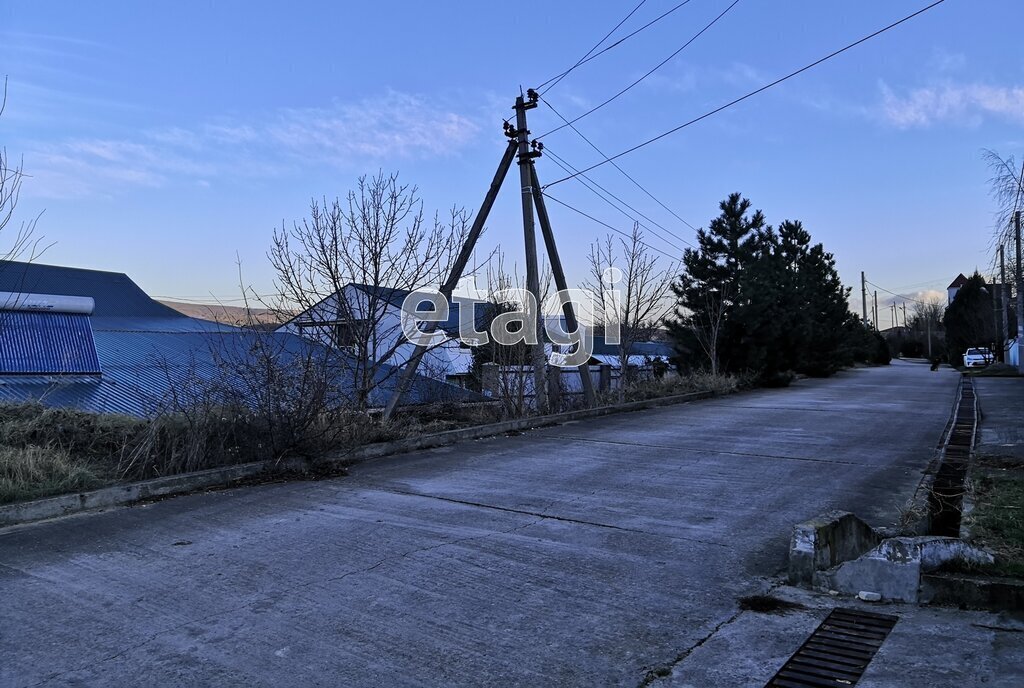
x,y
164,137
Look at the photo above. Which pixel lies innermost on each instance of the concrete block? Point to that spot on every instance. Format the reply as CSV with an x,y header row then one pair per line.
x,y
894,568
827,541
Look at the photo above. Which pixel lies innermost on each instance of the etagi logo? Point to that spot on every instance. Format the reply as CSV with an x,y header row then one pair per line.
x,y
517,321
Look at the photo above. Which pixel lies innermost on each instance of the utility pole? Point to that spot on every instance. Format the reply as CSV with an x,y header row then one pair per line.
x,y
525,163
519,146
1020,297
1004,321
928,319
864,297
571,324
875,310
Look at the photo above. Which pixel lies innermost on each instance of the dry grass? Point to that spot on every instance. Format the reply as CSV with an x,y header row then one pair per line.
x,y
31,472
997,520
698,381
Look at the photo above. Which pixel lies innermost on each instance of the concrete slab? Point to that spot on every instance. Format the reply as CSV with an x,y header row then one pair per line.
x,y
927,648
579,555
1001,430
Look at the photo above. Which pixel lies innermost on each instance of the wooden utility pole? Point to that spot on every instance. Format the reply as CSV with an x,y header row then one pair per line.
x,y
571,324
519,146
1020,297
525,163
864,296
1004,320
875,310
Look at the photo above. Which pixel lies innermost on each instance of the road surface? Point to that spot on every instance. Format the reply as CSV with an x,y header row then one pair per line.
x,y
584,554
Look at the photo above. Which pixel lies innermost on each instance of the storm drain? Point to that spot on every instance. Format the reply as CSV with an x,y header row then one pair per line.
x,y
838,652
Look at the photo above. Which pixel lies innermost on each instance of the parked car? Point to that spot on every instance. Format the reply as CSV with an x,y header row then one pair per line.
x,y
977,358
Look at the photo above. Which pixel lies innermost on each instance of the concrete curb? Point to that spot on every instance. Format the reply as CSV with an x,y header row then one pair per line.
x,y
122,495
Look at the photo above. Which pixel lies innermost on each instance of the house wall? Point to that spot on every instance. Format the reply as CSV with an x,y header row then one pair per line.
x,y
437,362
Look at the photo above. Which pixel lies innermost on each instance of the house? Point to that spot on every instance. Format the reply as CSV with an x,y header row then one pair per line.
x,y
95,341
954,287
363,317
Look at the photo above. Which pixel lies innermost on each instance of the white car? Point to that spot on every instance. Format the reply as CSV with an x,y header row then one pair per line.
x,y
977,358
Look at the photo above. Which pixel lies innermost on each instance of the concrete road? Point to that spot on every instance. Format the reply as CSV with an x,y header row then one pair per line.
x,y
579,555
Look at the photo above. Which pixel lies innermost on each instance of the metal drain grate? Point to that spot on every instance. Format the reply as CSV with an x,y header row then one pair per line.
x,y
838,651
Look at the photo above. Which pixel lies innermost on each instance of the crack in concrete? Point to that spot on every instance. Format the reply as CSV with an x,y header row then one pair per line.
x,y
542,515
708,451
665,670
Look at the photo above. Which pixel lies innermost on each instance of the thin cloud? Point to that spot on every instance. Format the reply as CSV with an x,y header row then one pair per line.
x,y
965,104
344,135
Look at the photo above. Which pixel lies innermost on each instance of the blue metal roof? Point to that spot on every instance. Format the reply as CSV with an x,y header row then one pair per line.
x,y
652,349
116,295
148,352
47,343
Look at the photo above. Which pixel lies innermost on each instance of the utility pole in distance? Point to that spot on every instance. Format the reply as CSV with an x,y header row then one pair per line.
x,y
1004,321
1020,297
864,297
875,311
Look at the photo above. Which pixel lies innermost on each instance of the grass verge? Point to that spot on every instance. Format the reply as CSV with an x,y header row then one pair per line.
x,y
997,520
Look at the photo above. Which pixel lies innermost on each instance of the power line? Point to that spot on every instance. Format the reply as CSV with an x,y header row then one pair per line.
x,y
596,46
652,71
605,224
569,169
626,175
892,293
757,91
616,43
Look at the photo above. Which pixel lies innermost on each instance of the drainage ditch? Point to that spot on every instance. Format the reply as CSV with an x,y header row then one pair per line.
x,y
945,502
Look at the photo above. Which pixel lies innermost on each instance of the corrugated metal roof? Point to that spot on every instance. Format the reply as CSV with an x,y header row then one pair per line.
x,y
652,349
115,293
47,343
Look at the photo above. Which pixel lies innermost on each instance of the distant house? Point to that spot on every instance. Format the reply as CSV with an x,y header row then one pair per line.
x,y
954,287
95,341
363,316
640,354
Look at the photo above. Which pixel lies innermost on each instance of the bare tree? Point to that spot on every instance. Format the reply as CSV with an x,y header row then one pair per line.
x,y
635,304
378,238
707,324
12,173
1007,189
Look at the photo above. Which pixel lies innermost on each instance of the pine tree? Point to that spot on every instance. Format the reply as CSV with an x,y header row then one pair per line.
x,y
712,285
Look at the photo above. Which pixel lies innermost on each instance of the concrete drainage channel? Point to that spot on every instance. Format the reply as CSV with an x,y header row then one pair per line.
x,y
840,553
945,500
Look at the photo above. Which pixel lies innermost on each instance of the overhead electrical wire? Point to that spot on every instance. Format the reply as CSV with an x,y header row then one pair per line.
x,y
652,71
613,45
625,174
596,46
756,91
605,224
591,184
905,298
